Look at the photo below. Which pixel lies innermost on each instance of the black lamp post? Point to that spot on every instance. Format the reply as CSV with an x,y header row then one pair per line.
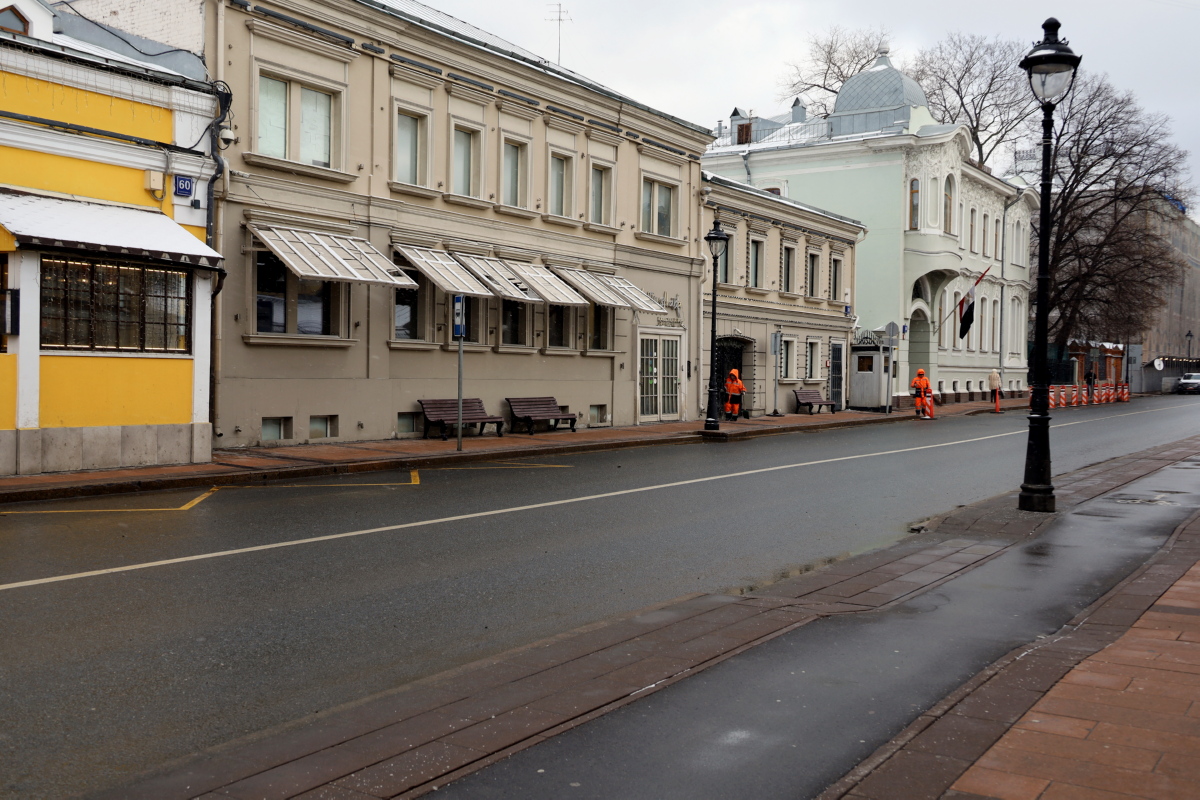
x,y
1051,65
1188,336
717,240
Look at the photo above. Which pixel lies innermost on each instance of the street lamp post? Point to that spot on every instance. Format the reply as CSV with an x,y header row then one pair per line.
x,y
1188,336
717,240
1051,65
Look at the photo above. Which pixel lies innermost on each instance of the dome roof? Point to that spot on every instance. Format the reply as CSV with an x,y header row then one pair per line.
x,y
880,85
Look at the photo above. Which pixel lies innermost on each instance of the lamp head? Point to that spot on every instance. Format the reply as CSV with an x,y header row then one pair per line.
x,y
1051,65
717,240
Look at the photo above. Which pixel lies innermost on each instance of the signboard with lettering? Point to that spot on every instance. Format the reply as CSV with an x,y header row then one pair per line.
x,y
184,185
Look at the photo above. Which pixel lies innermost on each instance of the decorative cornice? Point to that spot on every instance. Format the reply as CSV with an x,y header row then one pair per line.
x,y
35,138
306,222
467,93
560,124
518,109
296,168
412,76
293,39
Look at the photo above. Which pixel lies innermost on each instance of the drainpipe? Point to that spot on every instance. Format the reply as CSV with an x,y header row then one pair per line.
x,y
224,99
1003,263
746,164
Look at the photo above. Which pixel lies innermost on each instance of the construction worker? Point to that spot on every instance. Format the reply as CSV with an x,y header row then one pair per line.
x,y
924,395
734,389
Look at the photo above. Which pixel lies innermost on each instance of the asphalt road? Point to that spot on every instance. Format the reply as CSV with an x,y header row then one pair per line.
x,y
104,676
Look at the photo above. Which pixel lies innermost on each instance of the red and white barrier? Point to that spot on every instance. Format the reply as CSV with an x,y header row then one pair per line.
x,y
1074,395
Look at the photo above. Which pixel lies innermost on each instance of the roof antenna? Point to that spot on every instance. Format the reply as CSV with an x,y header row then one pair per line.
x,y
561,15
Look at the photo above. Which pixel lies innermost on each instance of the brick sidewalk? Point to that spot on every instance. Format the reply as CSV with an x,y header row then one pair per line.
x,y
304,461
408,741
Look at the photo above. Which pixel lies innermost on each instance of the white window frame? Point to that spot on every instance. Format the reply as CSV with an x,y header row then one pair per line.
x,y
568,198
787,358
296,82
811,290
812,359
607,187
478,132
525,144
836,280
755,256
676,191
422,116
787,278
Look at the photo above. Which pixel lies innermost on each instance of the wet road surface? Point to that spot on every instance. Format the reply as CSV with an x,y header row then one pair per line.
x,y
105,676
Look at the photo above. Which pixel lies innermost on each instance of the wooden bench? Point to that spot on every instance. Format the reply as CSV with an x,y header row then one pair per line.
x,y
445,413
811,398
537,409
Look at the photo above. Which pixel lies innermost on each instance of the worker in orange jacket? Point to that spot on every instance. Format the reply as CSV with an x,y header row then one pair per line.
x,y
734,389
924,395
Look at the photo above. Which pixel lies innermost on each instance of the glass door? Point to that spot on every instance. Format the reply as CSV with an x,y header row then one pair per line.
x,y
659,378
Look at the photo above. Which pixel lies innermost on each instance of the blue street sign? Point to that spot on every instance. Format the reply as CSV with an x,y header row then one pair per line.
x,y
184,185
459,300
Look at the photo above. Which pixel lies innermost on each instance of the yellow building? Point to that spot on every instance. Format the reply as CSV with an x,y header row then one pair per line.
x,y
105,276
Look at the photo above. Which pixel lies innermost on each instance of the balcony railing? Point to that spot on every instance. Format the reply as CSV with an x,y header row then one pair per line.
x,y
788,134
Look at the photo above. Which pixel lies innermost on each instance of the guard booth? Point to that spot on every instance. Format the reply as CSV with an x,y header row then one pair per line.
x,y
872,364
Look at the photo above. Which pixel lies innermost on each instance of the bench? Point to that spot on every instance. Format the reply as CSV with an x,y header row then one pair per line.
x,y
536,409
811,398
445,413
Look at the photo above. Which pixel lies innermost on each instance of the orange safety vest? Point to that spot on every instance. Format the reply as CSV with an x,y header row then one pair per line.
x,y
733,384
921,384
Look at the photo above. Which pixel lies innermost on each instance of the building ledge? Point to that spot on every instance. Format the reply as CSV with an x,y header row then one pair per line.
x,y
559,351
468,347
646,236
515,211
596,227
296,340
296,168
464,200
413,189
411,344
555,219
757,290
601,353
519,349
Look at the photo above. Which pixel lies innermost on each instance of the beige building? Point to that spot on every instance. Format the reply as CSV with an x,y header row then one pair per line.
x,y
385,157
784,295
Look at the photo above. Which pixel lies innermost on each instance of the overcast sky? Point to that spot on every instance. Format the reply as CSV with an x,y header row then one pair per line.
x,y
698,59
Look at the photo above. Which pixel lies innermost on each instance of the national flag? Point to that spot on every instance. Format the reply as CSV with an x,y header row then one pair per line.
x,y
966,313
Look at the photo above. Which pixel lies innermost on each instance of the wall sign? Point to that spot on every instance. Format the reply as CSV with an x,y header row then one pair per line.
x,y
184,185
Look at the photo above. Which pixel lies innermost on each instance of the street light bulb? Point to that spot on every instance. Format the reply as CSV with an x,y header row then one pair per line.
x,y
1051,65
1051,86
717,240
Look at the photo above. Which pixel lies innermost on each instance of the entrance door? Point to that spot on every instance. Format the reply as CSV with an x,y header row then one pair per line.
x,y
659,378
835,375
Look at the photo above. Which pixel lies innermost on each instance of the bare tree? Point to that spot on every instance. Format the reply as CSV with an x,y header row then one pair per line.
x,y
833,56
975,81
1118,183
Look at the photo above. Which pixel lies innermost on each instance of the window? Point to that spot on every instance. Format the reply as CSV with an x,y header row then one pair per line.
x,y
756,256
775,190
474,309
104,305
996,248
723,264
409,315
941,320
788,279
984,237
602,324
814,274
948,205
285,303
599,200
914,204
465,180
558,333
512,322
996,325
835,279
323,427
13,20
971,234
295,122
561,174
512,190
409,136
953,322
275,429
743,133
787,359
658,208
982,324
812,369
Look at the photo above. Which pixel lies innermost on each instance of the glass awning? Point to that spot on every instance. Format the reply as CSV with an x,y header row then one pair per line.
x,y
329,257
443,271
549,286
496,275
640,300
591,287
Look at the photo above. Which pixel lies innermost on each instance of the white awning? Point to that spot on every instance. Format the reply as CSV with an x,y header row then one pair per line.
x,y
41,221
328,257
548,285
445,273
591,287
641,301
496,275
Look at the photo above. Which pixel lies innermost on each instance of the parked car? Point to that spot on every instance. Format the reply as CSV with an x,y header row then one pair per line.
x,y
1189,383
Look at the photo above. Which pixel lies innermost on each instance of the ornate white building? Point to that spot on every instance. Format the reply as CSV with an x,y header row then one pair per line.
x,y
937,220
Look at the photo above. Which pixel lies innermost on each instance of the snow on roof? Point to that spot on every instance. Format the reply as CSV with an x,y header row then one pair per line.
x,y
712,177
36,219
96,50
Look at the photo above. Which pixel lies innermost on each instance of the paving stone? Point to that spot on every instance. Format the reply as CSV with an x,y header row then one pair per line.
x,y
956,736
584,698
649,671
506,729
1001,704
409,770
1032,673
911,775
1000,784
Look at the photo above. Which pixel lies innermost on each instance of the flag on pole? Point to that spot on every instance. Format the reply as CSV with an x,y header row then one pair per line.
x,y
966,313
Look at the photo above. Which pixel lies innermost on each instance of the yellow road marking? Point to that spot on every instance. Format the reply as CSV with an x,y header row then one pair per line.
x,y
414,480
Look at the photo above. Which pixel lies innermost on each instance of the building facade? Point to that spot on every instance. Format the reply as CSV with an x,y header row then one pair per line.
x,y
940,225
1171,337
105,278
784,292
385,158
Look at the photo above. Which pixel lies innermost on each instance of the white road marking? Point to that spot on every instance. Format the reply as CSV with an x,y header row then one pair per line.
x,y
534,506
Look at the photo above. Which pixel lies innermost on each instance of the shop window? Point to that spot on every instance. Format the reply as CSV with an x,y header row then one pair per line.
x,y
866,363
295,122
513,325
406,422
285,303
602,325
558,325
474,310
102,305
275,429
787,359
323,427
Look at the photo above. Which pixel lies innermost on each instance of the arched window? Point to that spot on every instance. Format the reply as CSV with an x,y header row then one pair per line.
x,y
984,308
985,235
996,325
1018,246
14,21
971,233
948,206
996,248
914,204
941,320
1019,324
